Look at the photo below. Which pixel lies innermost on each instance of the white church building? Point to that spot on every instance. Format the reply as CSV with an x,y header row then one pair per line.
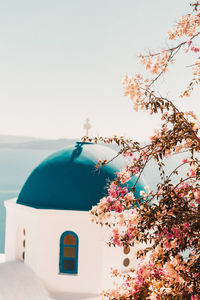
x,y
52,250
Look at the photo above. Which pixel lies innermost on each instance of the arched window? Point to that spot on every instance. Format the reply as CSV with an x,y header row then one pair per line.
x,y
68,253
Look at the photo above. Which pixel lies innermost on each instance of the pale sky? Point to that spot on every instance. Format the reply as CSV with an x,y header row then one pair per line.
x,y
63,60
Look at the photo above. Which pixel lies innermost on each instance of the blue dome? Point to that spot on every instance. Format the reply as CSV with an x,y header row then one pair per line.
x,y
69,180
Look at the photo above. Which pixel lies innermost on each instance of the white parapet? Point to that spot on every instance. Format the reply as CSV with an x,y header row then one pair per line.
x,y
18,282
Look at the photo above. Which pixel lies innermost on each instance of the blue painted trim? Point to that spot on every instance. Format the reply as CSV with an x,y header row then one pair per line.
x,y
62,258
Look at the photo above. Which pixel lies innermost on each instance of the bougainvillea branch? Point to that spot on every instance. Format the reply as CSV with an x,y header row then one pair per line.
x,y
165,219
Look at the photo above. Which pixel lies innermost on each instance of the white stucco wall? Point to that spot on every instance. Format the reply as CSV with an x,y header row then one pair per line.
x,y
51,225
42,248
18,217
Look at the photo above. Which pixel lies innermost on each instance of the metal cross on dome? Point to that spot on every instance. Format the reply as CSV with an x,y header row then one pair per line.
x,y
87,126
